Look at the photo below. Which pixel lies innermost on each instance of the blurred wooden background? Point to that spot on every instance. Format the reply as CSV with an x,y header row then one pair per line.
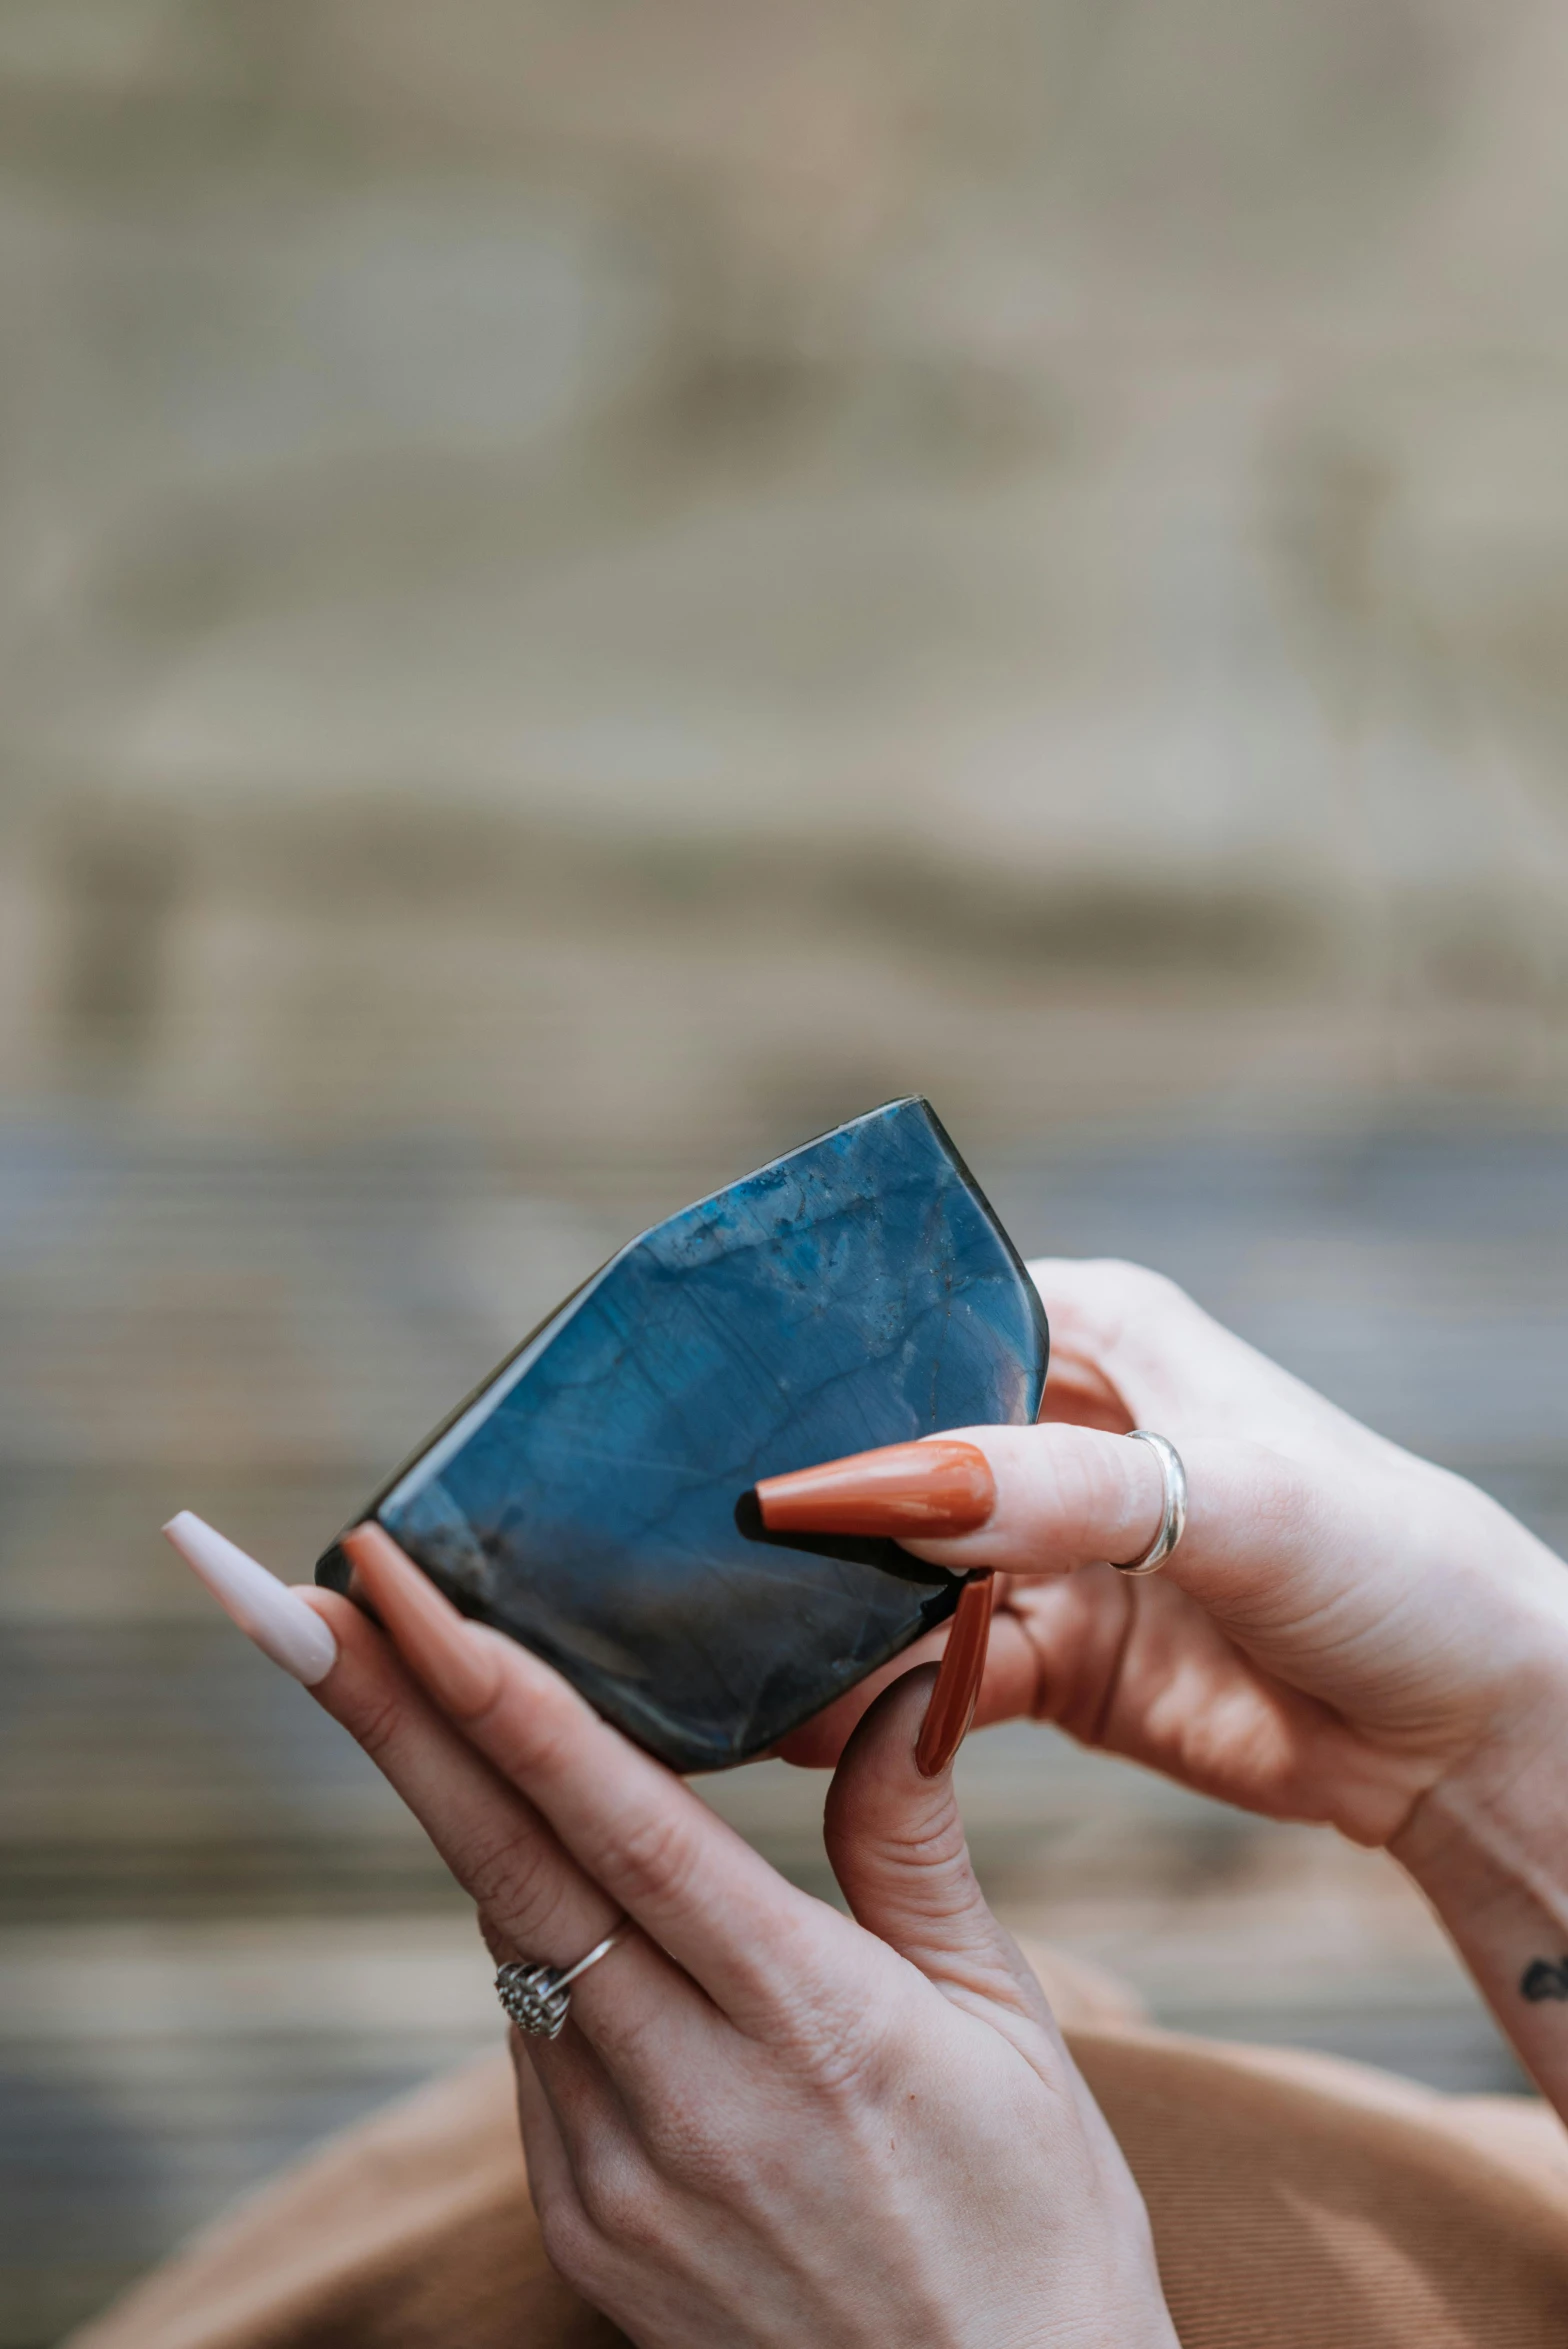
x,y
585,592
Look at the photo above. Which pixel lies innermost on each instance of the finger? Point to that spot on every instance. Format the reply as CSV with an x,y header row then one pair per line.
x,y
1024,1500
1066,1497
688,1879
569,2239
1257,1527
602,2213
544,2148
473,1817
606,2141
535,1902
896,1843
495,1843
576,2084
1063,1497
1261,1553
1274,1551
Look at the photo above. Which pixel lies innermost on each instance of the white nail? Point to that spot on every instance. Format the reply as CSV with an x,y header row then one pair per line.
x,y
283,1625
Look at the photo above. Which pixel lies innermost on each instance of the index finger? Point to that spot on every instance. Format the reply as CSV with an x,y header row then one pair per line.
x,y
1020,1500
691,1883
1265,1542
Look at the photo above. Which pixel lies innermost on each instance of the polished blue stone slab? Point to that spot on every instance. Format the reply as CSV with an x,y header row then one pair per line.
x,y
593,1499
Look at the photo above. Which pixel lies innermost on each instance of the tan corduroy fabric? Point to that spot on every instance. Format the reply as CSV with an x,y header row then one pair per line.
x,y
1297,2203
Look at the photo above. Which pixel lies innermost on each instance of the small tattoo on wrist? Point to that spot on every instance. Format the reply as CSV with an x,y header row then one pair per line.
x,y
1544,1978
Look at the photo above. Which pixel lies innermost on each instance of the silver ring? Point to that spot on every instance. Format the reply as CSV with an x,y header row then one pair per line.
x,y
539,1998
1173,1517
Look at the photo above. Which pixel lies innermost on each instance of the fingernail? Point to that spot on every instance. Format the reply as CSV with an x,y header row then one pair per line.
x,y
283,1625
957,1689
433,1639
933,1488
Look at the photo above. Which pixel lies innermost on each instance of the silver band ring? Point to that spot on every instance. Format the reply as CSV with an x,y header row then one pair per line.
x,y
1173,1517
539,1998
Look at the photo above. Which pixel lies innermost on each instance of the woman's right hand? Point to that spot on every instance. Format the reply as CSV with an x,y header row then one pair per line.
x,y
1345,1633
1341,1625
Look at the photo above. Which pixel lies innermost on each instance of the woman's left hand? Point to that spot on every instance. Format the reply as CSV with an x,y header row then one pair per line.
x,y
763,2123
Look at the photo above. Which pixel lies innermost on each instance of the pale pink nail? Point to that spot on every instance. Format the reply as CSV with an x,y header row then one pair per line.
x,y
282,1624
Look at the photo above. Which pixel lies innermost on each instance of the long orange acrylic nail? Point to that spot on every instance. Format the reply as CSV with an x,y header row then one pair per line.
x,y
958,1679
929,1490
430,1635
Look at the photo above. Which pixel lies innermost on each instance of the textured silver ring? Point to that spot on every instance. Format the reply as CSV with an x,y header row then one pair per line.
x,y
1173,1517
539,1998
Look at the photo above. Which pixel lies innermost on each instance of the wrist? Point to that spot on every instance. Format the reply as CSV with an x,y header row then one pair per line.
x,y
1510,1779
1507,1794
1488,1846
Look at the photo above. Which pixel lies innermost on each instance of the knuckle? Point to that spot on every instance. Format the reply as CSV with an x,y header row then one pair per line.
x,y
685,2145
822,2012
496,1870
1140,1284
653,1858
527,1921
1093,1486
1082,1479
925,1843
1282,1496
834,2041
934,1850
619,2201
528,1742
375,1733
1105,1298
509,1884
570,2244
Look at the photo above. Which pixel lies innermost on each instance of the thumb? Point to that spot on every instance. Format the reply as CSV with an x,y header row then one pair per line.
x,y
896,1844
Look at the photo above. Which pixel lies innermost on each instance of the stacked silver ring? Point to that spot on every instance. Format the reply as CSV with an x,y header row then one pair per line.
x,y
538,1998
1173,1516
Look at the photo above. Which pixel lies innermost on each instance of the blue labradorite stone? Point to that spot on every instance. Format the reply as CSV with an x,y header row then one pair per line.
x,y
594,1498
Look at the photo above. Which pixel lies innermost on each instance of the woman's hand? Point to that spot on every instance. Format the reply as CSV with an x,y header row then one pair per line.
x,y
1345,1634
1341,1627
763,2123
